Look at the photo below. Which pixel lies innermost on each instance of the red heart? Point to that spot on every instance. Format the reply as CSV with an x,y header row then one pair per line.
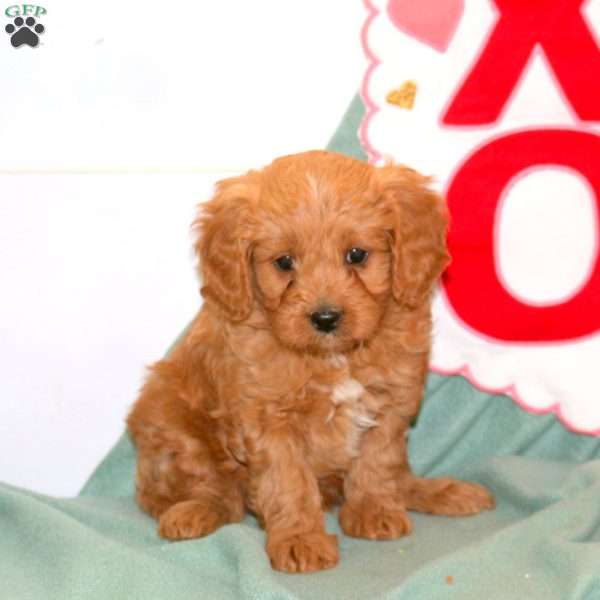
x,y
432,22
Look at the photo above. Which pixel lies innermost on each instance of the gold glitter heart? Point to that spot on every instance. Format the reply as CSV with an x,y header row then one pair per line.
x,y
404,96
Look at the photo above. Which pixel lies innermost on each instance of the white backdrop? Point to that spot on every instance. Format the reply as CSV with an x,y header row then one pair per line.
x,y
113,129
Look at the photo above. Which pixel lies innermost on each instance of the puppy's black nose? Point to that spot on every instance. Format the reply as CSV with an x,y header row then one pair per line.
x,y
326,319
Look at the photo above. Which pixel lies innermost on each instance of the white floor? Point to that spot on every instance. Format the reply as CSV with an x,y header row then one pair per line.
x,y
111,135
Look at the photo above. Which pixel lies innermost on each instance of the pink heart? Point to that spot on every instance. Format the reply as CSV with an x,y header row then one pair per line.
x,y
432,22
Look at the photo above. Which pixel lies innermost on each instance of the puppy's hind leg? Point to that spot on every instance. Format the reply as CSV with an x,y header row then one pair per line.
x,y
446,496
179,483
184,477
193,518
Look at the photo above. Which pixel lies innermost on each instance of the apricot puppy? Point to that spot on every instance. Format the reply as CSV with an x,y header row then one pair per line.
x,y
296,383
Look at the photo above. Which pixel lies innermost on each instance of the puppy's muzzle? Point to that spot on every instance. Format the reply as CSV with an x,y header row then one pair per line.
x,y
326,320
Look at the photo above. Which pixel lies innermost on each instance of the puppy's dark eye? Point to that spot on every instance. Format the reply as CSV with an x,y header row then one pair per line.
x,y
285,263
356,256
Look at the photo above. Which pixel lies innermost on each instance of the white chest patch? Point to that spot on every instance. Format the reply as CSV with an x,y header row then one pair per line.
x,y
348,401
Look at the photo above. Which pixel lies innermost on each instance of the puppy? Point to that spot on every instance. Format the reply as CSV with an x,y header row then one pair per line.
x,y
295,386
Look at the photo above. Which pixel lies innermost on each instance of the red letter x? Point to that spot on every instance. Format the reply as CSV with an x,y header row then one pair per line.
x,y
558,27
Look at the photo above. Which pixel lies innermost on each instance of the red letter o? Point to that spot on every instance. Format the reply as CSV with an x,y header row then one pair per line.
x,y
471,283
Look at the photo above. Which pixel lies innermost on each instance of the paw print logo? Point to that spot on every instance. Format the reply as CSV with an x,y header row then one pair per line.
x,y
24,32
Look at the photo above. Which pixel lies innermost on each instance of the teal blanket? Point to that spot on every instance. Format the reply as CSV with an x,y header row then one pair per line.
x,y
542,540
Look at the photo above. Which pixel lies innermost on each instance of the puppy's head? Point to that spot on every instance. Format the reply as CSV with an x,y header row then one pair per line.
x,y
321,244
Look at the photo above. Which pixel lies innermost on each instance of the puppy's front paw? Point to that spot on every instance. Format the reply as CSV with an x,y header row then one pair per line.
x,y
373,521
303,553
450,497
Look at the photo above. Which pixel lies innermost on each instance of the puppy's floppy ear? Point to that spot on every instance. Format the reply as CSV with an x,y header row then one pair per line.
x,y
224,244
420,223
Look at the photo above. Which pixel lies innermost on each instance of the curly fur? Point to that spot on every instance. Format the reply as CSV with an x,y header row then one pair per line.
x,y
255,409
